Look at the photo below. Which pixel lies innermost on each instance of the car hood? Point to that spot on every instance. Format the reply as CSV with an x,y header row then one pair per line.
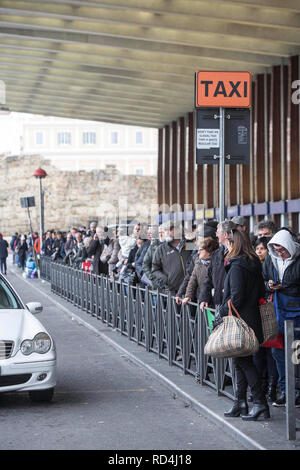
x,y
17,325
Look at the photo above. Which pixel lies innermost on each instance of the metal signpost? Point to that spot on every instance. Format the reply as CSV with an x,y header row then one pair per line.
x,y
222,101
41,174
27,202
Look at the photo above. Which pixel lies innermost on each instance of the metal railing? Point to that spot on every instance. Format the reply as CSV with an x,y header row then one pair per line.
x,y
292,362
152,319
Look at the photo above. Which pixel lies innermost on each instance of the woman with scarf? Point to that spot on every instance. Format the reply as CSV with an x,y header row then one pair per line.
x,y
199,272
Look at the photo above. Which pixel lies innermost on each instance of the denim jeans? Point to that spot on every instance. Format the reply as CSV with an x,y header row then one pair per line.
x,y
278,355
3,265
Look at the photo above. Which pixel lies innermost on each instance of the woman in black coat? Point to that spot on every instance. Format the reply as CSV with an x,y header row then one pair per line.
x,y
244,286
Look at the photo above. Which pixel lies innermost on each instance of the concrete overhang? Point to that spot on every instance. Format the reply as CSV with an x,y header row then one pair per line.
x,y
130,61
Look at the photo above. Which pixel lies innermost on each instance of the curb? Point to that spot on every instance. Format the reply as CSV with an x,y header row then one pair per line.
x,y
242,438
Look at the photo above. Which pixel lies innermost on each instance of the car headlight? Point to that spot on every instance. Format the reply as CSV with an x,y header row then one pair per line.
x,y
41,344
27,347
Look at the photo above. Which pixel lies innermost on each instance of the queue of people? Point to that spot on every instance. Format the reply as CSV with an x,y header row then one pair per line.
x,y
247,273
210,264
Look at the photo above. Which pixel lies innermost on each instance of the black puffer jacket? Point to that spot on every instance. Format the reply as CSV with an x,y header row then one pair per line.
x,y
244,286
214,279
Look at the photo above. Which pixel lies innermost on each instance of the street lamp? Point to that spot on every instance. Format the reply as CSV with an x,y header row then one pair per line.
x,y
40,174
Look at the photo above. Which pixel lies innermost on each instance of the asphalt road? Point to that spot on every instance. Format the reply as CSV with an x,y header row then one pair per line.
x,y
102,400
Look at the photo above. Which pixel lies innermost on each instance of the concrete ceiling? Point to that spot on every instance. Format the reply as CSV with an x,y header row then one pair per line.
x,y
133,61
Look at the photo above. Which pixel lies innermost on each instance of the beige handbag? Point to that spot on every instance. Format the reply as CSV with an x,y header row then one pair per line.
x,y
232,338
269,321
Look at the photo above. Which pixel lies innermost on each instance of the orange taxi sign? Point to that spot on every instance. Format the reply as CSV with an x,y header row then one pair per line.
x,y
223,89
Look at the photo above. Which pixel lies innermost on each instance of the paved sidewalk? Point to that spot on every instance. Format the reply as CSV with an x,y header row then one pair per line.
x,y
263,435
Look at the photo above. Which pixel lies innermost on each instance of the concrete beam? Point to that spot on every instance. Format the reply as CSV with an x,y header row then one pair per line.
x,y
91,99
67,104
94,54
36,109
212,31
159,14
97,64
12,78
69,76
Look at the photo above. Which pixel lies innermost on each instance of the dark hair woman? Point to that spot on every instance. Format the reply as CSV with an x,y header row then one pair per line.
x,y
261,248
244,286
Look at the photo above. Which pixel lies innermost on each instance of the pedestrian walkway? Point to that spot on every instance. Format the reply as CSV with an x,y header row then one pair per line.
x,y
268,434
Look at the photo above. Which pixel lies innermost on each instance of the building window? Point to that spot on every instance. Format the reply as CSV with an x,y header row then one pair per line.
x,y
89,138
114,137
64,138
139,137
139,171
39,138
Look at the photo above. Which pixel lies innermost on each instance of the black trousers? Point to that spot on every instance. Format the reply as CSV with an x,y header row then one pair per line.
x,y
3,265
266,365
247,375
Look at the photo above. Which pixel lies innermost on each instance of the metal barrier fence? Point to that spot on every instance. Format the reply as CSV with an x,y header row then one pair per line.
x,y
150,318
292,361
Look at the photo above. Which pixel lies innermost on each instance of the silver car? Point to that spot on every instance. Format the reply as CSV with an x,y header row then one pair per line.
x,y
27,351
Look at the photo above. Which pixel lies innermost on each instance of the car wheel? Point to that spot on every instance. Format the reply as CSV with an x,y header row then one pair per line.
x,y
41,396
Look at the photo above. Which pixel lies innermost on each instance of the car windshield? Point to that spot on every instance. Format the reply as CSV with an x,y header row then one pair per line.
x,y
7,298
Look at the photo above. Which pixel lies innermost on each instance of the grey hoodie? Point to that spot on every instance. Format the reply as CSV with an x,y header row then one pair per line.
x,y
285,239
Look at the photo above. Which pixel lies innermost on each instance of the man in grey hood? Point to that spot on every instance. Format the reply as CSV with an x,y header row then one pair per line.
x,y
281,272
284,251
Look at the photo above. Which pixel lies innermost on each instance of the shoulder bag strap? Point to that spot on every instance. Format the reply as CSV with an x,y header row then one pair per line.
x,y
232,307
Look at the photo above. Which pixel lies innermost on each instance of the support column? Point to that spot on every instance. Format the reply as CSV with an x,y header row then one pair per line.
x,y
167,165
232,185
259,132
274,135
181,162
190,160
283,140
160,163
173,164
292,134
267,88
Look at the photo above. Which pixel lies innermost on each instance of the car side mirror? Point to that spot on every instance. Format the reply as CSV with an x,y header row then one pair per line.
x,y
34,307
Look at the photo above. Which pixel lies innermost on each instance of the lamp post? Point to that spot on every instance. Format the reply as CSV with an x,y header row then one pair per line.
x,y
40,174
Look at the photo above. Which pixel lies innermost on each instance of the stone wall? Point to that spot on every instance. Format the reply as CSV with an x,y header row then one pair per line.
x,y
71,198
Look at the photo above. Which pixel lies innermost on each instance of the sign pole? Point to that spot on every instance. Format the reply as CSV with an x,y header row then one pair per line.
x,y
29,218
222,166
